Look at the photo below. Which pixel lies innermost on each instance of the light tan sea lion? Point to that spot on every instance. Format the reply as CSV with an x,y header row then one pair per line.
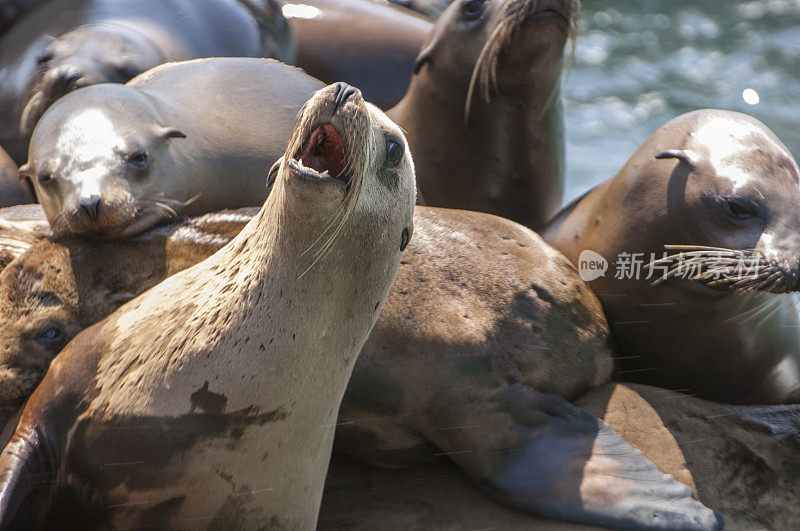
x,y
241,373
723,185
452,348
186,138
483,113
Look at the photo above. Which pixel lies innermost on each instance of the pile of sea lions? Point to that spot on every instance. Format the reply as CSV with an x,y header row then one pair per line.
x,y
272,232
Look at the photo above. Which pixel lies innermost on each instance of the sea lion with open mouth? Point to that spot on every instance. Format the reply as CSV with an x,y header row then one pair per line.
x,y
240,375
57,47
717,191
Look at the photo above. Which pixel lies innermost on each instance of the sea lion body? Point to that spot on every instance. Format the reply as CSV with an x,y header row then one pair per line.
x,y
457,362
489,69
366,43
242,373
112,41
708,178
12,190
117,159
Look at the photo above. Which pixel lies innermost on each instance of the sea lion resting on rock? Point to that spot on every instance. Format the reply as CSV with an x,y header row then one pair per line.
x,y
118,159
112,41
12,190
451,349
489,68
724,189
242,372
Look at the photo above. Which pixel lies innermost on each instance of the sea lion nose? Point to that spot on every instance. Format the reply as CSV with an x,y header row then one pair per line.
x,y
64,78
343,92
91,206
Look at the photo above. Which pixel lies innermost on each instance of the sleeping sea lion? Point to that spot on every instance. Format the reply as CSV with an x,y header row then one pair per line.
x,y
56,47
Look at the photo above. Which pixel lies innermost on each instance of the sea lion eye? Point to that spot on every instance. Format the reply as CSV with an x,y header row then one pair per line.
x,y
740,209
473,8
128,72
44,177
51,335
137,158
44,58
394,151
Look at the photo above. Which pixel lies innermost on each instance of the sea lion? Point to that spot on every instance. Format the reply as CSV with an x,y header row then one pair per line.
x,y
272,331
12,190
723,184
369,44
57,47
117,159
481,352
483,113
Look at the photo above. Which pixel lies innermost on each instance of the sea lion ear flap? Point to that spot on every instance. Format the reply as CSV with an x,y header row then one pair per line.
x,y
115,300
426,54
171,132
684,155
16,237
273,172
23,171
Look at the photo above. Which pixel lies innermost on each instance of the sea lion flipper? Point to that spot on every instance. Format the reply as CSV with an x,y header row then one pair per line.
x,y
22,466
549,457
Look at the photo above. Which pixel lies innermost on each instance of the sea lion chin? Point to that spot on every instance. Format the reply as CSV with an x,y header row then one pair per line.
x,y
707,206
243,371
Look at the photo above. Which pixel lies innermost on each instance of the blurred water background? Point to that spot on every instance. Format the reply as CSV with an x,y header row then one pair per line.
x,y
639,63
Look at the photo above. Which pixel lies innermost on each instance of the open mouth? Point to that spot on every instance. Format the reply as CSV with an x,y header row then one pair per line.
x,y
321,156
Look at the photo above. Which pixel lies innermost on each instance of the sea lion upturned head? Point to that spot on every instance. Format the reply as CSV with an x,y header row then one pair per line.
x,y
88,55
95,171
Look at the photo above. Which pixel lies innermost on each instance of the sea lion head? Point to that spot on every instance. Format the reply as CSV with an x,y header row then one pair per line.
x,y
724,191
88,55
96,161
511,46
347,169
51,292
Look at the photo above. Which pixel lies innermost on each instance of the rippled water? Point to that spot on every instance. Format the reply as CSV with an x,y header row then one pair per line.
x,y
639,63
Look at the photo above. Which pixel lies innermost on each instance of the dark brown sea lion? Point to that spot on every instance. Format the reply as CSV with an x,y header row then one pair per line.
x,y
12,190
483,112
364,42
56,47
452,348
242,372
724,185
116,159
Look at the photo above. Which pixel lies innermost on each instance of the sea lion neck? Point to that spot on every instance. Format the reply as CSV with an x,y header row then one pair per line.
x,y
468,162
